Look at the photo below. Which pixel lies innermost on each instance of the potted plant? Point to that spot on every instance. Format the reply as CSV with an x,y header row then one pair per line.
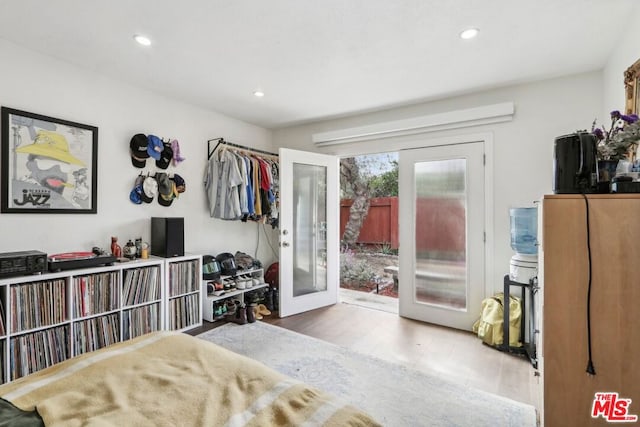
x,y
617,143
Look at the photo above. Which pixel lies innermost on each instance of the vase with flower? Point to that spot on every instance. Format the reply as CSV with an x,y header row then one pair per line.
x,y
616,144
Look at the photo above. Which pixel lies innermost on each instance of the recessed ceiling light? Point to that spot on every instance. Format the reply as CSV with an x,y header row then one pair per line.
x,y
258,93
469,33
144,41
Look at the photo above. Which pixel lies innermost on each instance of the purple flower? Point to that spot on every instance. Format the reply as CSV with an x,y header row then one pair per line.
x,y
631,118
615,115
598,133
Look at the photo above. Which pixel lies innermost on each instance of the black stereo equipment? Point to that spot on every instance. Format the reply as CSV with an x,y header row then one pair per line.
x,y
167,237
22,263
63,263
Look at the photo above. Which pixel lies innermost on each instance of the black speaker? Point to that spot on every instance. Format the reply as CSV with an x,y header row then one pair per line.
x,y
167,237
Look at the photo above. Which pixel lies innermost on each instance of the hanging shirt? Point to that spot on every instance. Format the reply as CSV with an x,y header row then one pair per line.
x,y
275,175
265,182
256,187
275,192
212,182
250,203
228,204
242,188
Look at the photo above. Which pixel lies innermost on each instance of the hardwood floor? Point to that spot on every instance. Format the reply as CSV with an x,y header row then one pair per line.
x,y
448,353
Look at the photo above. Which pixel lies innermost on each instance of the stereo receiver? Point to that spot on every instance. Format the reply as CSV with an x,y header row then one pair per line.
x,y
22,263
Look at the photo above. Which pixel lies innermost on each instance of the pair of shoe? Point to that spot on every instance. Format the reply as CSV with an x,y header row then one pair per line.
x,y
231,307
251,316
254,281
252,297
244,283
237,314
272,298
260,310
268,298
229,285
242,314
215,288
219,310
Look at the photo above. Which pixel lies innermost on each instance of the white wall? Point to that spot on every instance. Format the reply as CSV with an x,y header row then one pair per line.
x,y
39,84
623,56
523,148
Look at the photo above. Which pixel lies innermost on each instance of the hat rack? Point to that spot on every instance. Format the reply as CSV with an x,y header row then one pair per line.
x,y
169,174
222,141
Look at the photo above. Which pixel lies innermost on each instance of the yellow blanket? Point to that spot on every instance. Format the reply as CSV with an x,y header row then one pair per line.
x,y
173,379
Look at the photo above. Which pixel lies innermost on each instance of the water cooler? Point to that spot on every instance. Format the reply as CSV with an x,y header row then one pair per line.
x,y
523,273
524,235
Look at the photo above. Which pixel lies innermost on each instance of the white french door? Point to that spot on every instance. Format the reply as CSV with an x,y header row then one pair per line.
x,y
441,256
309,231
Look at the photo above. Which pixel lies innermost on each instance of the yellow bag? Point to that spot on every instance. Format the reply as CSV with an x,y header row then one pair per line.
x,y
489,325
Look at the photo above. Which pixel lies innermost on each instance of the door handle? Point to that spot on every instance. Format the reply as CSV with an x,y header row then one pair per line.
x,y
285,244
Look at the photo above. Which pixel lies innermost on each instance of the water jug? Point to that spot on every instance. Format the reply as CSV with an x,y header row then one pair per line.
x,y
524,230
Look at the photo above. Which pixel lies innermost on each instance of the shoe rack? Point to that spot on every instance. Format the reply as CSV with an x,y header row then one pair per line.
x,y
235,288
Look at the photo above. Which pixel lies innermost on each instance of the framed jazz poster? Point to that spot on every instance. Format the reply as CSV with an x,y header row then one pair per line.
x,y
48,165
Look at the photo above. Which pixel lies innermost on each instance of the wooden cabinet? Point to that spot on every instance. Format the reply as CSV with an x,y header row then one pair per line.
x,y
614,237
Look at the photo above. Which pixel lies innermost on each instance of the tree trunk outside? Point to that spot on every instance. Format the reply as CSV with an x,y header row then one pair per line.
x,y
360,207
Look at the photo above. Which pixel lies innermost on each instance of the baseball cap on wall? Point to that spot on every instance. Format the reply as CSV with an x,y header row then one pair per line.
x,y
138,150
165,156
181,186
165,189
149,189
177,157
154,147
136,193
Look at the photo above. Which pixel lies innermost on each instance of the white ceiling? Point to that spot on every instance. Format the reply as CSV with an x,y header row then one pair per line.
x,y
318,59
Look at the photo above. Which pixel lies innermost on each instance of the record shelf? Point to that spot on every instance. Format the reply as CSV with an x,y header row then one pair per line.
x,y
48,318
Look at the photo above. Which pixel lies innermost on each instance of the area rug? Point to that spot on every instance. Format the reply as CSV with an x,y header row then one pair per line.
x,y
392,394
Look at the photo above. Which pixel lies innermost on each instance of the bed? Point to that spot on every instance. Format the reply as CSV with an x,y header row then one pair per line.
x,y
173,379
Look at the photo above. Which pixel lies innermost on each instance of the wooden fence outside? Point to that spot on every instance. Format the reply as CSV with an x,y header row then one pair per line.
x,y
381,224
440,223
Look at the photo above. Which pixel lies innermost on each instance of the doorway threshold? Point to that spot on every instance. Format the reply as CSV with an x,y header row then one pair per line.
x,y
369,300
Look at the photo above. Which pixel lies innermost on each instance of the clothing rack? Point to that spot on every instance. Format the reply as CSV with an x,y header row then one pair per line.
x,y
231,144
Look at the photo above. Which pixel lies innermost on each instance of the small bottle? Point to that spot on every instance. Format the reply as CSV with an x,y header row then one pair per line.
x,y
116,250
145,250
139,247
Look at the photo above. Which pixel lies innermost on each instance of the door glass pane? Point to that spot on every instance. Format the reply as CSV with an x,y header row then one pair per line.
x,y
441,241
309,224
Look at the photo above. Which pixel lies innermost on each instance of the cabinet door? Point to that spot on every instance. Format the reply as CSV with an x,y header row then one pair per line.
x,y
614,232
